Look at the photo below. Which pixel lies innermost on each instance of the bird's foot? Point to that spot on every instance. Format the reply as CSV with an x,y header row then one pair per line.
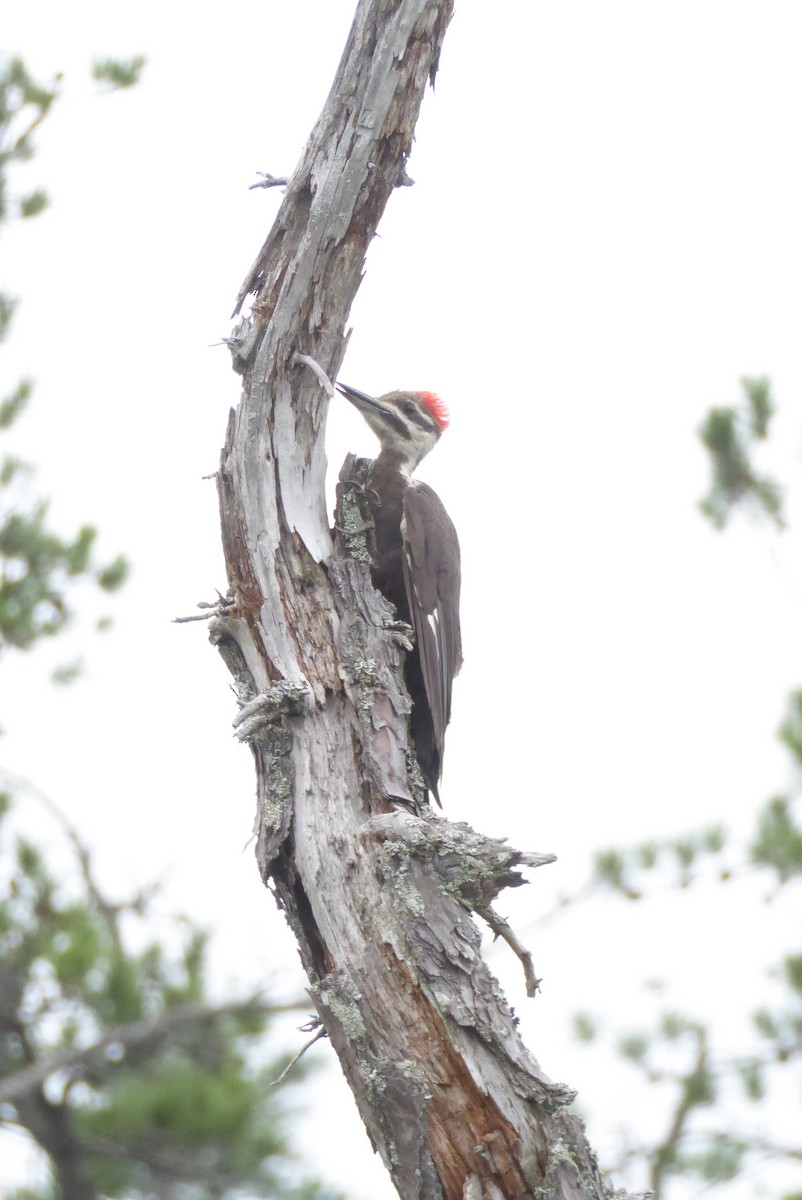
x,y
402,634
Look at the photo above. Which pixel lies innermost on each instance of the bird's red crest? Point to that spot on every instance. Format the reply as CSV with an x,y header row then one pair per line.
x,y
436,407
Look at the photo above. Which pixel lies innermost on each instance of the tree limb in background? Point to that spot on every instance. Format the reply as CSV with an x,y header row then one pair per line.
x,y
116,1062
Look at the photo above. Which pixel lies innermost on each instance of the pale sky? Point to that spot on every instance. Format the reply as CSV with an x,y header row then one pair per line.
x,y
604,235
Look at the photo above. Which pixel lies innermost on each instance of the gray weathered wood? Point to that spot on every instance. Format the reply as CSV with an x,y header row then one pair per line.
x,y
378,896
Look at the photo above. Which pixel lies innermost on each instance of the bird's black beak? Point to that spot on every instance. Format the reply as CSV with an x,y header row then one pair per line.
x,y
360,400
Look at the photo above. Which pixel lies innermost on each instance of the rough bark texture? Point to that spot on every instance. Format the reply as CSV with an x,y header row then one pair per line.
x,y
378,897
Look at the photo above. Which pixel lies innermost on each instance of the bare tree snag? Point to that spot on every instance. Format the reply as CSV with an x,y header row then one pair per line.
x,y
379,897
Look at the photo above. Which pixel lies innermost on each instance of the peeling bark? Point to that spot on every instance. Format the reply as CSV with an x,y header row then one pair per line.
x,y
377,890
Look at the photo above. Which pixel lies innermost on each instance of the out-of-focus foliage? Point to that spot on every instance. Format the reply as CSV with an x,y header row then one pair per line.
x,y
39,566
679,1051
620,870
119,72
113,1059
24,104
709,1137
729,435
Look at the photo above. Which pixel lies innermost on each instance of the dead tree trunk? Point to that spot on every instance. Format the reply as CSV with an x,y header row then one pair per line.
x,y
378,898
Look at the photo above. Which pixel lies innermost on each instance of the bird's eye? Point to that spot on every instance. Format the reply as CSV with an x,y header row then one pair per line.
x,y
408,407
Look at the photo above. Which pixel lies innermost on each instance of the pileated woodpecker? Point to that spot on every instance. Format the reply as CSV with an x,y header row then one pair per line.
x,y
417,561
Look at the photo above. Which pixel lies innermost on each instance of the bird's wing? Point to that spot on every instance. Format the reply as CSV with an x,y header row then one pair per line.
x,y
432,578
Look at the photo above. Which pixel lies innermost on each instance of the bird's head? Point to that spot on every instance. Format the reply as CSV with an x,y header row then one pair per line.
x,y
408,424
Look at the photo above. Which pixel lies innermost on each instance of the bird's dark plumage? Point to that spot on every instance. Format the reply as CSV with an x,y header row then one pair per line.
x,y
417,563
